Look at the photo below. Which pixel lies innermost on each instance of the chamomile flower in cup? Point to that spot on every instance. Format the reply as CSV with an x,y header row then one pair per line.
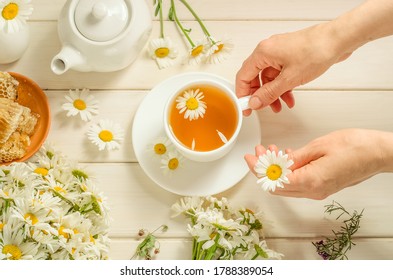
x,y
203,119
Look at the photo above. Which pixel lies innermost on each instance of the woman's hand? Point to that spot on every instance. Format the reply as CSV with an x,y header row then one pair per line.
x,y
330,163
284,62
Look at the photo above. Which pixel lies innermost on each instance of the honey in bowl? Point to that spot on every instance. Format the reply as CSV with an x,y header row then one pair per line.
x,y
210,130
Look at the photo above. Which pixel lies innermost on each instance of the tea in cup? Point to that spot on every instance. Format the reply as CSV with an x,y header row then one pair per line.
x,y
203,119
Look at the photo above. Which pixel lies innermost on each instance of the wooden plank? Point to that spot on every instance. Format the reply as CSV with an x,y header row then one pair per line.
x,y
293,249
232,9
368,68
136,202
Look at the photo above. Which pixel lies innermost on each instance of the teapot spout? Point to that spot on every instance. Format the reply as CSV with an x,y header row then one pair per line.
x,y
66,59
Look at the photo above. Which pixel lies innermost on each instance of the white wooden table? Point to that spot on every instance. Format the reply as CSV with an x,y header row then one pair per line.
x,y
355,93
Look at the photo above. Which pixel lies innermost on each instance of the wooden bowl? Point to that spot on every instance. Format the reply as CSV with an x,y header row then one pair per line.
x,y
31,95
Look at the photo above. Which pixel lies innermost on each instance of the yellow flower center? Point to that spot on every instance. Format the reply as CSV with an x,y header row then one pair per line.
x,y
79,104
173,163
32,218
162,52
274,172
105,135
92,240
59,189
41,171
13,250
159,149
1,226
197,51
61,232
219,48
192,103
10,11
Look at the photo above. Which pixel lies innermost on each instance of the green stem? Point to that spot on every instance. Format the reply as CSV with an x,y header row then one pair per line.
x,y
204,29
180,25
194,249
212,249
161,20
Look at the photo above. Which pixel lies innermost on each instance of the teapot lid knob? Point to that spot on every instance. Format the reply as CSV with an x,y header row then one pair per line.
x,y
99,10
102,20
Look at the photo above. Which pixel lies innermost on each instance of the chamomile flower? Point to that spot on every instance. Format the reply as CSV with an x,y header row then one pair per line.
x,y
219,51
187,206
106,135
82,103
191,104
273,169
171,162
261,251
160,146
14,14
13,246
197,52
163,51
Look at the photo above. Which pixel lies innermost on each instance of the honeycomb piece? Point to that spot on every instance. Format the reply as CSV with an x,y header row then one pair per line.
x,y
27,121
8,86
10,114
15,147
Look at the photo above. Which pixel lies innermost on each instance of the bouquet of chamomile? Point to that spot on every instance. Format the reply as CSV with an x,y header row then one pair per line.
x,y
50,209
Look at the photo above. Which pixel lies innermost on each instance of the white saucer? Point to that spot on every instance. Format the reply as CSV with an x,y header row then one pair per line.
x,y
194,178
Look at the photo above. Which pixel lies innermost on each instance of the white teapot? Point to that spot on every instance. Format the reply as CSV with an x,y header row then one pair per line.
x,y
101,35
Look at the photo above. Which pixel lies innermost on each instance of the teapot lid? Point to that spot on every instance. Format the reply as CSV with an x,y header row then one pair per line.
x,y
101,20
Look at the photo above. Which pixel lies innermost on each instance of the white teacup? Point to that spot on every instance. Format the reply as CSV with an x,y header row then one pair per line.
x,y
223,109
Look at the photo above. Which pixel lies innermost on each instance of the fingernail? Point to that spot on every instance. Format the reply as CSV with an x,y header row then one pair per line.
x,y
255,103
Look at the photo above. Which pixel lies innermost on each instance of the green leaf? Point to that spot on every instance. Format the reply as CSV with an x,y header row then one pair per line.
x,y
260,251
171,15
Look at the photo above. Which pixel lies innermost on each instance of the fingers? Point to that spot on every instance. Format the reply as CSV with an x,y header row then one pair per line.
x,y
305,155
270,92
259,151
247,75
252,159
288,98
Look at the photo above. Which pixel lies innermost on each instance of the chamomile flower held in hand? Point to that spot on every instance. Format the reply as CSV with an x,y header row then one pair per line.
x,y
106,135
14,14
163,52
191,104
82,103
272,169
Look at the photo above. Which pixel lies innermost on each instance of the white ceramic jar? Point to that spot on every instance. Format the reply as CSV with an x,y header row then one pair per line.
x,y
14,44
101,35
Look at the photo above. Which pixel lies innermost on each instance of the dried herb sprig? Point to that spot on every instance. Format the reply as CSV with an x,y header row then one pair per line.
x,y
337,247
149,244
